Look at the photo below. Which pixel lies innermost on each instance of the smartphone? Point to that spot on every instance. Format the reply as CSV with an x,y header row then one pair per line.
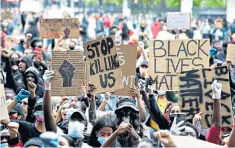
x,y
180,117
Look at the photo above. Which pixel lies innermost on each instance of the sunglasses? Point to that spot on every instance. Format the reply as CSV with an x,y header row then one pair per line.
x,y
24,103
5,137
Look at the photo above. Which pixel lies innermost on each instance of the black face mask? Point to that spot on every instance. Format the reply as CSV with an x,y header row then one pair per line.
x,y
71,47
172,116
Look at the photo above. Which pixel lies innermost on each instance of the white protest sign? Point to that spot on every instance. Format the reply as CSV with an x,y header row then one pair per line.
x,y
178,21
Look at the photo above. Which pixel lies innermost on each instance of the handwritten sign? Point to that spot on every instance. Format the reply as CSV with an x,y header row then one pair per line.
x,y
169,57
125,52
3,105
105,71
178,20
69,73
195,94
54,28
231,53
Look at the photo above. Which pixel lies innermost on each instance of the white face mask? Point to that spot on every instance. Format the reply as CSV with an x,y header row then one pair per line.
x,y
75,129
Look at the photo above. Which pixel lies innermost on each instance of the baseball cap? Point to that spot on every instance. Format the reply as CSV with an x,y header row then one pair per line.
x,y
78,116
144,63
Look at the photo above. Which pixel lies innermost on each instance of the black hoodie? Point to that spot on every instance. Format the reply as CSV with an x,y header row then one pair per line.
x,y
40,89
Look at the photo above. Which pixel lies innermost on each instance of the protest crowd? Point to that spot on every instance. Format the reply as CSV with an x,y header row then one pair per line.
x,y
92,80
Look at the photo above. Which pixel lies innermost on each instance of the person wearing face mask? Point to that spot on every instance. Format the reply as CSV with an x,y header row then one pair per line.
x,y
76,127
72,45
102,130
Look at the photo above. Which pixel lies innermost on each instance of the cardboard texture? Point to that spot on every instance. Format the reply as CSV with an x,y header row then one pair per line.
x,y
178,21
104,68
231,53
195,94
69,73
54,28
125,54
3,105
169,57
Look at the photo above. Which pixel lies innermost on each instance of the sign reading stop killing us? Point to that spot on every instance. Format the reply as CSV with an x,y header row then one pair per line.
x,y
169,57
104,70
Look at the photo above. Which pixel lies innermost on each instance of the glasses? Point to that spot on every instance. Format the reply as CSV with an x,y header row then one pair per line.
x,y
5,137
24,103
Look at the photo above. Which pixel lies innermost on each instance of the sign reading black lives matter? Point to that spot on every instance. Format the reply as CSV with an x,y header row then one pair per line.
x,y
169,57
105,71
69,73
195,94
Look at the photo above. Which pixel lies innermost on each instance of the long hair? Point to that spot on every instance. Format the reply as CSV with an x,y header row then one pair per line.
x,y
100,123
58,114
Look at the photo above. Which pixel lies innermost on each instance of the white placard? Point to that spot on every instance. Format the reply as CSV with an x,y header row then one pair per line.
x,y
178,21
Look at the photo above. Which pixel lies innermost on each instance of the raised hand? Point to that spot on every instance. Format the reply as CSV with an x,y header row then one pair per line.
x,y
135,91
13,129
66,70
176,129
21,95
48,75
216,88
165,137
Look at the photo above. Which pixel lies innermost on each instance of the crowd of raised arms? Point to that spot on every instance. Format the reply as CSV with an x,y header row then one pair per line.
x,y
147,118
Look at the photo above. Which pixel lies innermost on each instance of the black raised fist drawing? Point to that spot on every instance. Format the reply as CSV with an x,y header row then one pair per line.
x,y
66,70
66,33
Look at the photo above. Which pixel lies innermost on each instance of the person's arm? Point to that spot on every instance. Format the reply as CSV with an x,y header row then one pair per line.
x,y
104,102
50,123
142,112
162,122
92,109
14,140
215,129
216,115
28,38
141,46
231,141
121,129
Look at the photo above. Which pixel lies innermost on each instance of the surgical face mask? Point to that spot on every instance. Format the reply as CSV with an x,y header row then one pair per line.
x,y
75,129
8,101
102,140
4,145
39,116
69,114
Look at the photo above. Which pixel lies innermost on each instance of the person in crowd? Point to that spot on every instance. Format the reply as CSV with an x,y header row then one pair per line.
x,y
219,33
101,131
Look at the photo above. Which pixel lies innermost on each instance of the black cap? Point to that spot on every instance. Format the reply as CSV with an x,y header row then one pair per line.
x,y
34,142
39,102
76,116
145,63
126,103
17,109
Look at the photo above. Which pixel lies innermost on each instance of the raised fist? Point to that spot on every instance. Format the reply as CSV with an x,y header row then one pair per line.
x,y
67,72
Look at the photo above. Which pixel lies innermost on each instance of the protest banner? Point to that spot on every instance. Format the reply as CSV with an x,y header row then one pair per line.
x,y
231,53
104,70
178,21
195,94
54,28
169,57
69,73
127,63
3,105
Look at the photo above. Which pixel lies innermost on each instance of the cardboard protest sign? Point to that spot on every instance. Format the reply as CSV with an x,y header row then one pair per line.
x,y
178,21
231,53
5,14
169,57
54,28
3,105
104,70
195,94
125,54
69,69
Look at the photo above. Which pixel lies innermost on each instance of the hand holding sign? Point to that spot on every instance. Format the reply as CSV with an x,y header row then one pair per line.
x,y
216,88
67,72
